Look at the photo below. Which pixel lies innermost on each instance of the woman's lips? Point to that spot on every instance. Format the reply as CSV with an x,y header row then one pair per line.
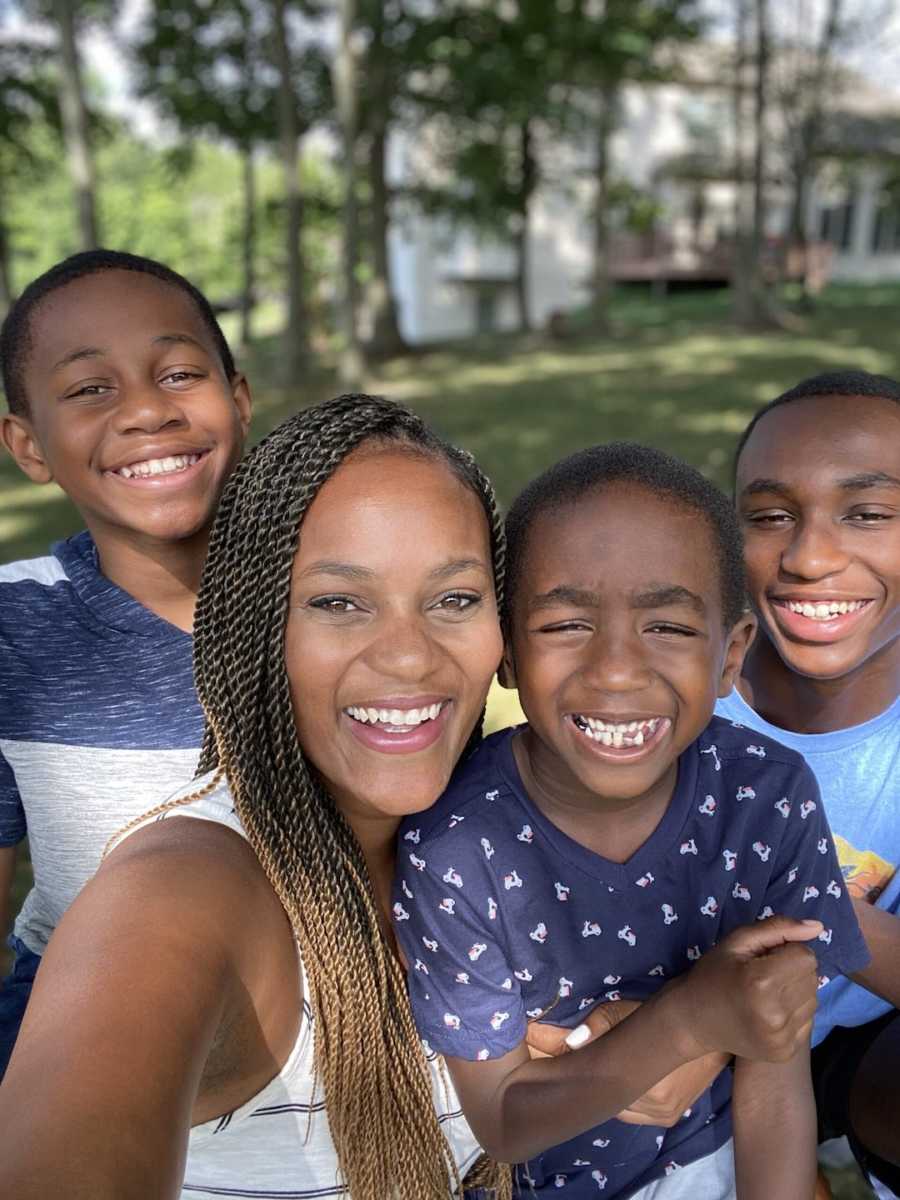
x,y
802,627
389,738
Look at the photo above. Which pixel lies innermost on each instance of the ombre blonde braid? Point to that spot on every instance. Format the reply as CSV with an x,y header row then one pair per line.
x,y
368,1055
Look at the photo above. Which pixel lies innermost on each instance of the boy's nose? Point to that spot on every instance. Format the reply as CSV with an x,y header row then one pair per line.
x,y
814,551
146,410
616,664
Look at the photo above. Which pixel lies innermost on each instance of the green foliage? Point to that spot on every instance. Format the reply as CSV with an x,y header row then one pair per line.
x,y
186,212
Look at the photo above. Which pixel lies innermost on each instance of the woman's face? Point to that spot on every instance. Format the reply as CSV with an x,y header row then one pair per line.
x,y
392,634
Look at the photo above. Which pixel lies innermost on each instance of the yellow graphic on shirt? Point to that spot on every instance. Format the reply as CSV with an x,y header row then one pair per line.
x,y
865,873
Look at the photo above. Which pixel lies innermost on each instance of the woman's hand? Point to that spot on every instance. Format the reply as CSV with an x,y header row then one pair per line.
x,y
662,1105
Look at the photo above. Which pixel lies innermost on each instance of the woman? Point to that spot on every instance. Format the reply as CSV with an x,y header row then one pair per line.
x,y
184,1037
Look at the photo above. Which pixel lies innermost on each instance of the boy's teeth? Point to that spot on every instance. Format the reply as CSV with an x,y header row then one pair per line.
x,y
394,718
158,466
825,610
618,734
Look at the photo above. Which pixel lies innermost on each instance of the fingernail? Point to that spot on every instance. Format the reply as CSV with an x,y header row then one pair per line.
x,y
579,1035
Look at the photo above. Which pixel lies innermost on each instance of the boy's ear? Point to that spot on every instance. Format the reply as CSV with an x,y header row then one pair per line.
x,y
740,640
20,440
506,672
240,390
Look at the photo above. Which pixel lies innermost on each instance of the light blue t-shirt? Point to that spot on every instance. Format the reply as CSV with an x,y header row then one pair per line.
x,y
858,770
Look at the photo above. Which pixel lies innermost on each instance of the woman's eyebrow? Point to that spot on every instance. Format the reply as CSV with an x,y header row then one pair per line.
x,y
360,574
456,566
343,570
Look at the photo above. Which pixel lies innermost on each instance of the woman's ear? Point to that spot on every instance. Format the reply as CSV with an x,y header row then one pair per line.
x,y
506,672
739,642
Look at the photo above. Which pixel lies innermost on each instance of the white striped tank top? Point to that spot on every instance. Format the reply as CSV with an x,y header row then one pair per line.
x,y
278,1146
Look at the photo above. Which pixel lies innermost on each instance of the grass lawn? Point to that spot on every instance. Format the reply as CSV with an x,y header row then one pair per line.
x,y
673,373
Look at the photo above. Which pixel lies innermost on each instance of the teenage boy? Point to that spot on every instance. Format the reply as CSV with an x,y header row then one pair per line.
x,y
619,838
122,389
817,489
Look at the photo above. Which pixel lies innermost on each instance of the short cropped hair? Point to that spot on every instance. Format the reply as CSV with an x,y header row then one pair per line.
x,y
599,467
15,336
829,383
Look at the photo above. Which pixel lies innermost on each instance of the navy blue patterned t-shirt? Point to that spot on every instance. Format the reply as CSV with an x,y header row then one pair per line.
x,y
503,918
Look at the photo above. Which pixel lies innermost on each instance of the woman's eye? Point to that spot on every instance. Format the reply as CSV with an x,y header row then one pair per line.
x,y
457,602
334,604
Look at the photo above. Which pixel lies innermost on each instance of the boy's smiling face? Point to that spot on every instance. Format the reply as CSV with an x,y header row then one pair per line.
x,y
818,491
617,643
130,411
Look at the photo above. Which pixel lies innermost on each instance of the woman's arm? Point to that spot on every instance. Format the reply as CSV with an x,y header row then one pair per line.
x,y
665,1103
158,951
774,1129
753,995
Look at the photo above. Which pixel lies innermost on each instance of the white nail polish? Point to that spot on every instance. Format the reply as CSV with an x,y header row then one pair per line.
x,y
578,1036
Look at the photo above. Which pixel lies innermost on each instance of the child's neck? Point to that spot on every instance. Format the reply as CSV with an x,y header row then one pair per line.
x,y
805,705
611,827
163,576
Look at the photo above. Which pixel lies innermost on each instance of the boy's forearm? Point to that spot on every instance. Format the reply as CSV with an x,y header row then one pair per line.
x,y
544,1102
882,933
774,1130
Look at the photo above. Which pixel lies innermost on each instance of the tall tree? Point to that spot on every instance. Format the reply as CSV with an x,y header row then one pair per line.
x,y
346,89
75,120
290,128
208,68
27,98
610,45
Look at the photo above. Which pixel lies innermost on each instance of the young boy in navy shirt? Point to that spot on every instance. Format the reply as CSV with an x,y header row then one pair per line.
x,y
121,388
618,846
817,487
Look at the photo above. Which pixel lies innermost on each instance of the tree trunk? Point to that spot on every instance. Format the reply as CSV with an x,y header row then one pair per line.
x,y
601,282
528,179
345,77
808,140
75,124
296,336
741,267
248,244
387,340
6,292
760,110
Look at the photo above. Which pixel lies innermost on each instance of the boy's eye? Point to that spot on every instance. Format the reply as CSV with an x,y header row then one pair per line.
x,y
89,389
336,605
571,626
771,517
869,516
668,629
182,375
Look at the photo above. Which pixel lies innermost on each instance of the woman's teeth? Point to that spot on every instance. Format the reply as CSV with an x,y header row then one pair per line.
x,y
825,610
617,733
158,466
394,720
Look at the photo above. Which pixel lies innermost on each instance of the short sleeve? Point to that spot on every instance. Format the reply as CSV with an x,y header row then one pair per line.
x,y
465,997
807,883
13,827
